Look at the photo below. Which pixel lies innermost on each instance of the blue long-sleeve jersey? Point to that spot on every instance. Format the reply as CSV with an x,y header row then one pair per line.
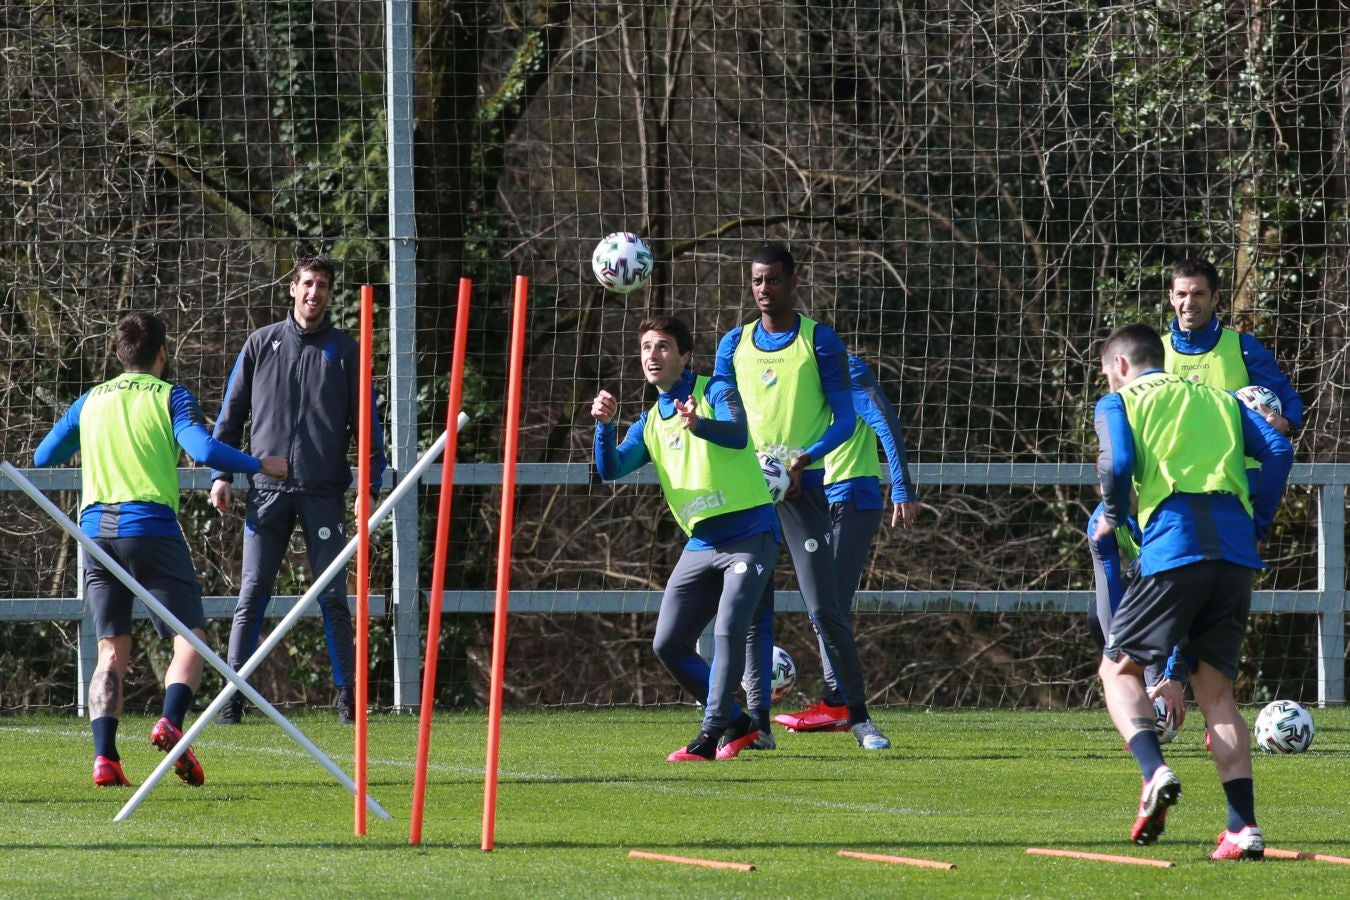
x,y
143,518
1260,363
873,407
727,429
1187,528
831,360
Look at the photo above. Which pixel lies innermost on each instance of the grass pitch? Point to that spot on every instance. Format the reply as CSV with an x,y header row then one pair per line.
x,y
579,789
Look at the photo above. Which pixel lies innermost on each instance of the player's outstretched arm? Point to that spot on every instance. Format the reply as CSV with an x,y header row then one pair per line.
x,y
63,441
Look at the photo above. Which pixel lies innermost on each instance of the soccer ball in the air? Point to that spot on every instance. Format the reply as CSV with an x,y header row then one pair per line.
x,y
775,476
622,262
1253,394
1284,727
1165,734
784,673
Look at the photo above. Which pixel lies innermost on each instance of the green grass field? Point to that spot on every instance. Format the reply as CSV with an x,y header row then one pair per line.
x,y
579,789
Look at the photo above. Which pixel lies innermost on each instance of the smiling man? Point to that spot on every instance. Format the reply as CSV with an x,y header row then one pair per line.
x,y
297,382
696,437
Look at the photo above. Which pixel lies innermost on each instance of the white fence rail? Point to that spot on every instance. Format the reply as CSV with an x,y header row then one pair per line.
x,y
1327,601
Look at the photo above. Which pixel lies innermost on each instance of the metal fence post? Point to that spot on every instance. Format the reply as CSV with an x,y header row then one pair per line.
x,y
1331,582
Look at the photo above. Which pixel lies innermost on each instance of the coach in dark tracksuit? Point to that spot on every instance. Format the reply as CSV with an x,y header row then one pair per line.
x,y
297,383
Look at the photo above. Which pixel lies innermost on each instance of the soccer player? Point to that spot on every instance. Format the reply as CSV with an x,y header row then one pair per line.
x,y
297,384
1200,527
792,372
1200,348
128,432
853,489
695,434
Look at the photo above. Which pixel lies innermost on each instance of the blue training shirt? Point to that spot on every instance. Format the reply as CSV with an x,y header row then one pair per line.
x,y
728,429
143,518
1187,528
873,407
834,381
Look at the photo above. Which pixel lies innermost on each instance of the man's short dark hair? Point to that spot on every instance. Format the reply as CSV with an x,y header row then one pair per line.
x,y
684,338
1137,342
139,337
1196,268
769,254
314,264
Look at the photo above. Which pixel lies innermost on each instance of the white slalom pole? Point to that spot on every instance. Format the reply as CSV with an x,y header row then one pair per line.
x,y
183,631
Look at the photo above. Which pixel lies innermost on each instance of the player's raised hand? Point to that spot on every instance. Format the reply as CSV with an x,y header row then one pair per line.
x,y
604,407
274,466
686,410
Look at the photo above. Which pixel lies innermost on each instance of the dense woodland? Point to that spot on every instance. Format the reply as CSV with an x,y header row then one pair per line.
x,y
975,192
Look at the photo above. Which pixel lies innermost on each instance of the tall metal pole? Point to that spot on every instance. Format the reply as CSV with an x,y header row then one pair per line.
x,y
405,590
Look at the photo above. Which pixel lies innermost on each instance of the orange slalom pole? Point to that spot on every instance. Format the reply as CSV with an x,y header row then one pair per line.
x,y
363,549
898,860
513,390
691,861
1272,853
438,559
1102,857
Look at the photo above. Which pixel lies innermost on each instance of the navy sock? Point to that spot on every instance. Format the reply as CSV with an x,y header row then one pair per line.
x,y
1241,803
1147,751
857,713
105,737
832,697
177,699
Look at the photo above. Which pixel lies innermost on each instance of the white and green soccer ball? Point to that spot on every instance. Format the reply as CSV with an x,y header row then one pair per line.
x,y
622,262
784,672
1284,727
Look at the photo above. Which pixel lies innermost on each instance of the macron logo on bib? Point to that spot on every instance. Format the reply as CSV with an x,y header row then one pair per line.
x,y
276,344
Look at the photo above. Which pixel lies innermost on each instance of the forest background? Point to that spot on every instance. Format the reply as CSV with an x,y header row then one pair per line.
x,y
975,192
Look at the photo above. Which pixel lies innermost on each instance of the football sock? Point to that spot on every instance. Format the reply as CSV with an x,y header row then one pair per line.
x,y
832,698
105,737
1241,803
1147,751
741,726
177,699
857,713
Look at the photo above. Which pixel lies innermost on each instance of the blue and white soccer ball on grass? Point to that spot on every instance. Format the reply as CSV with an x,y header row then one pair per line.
x,y
776,477
784,672
622,262
1284,727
